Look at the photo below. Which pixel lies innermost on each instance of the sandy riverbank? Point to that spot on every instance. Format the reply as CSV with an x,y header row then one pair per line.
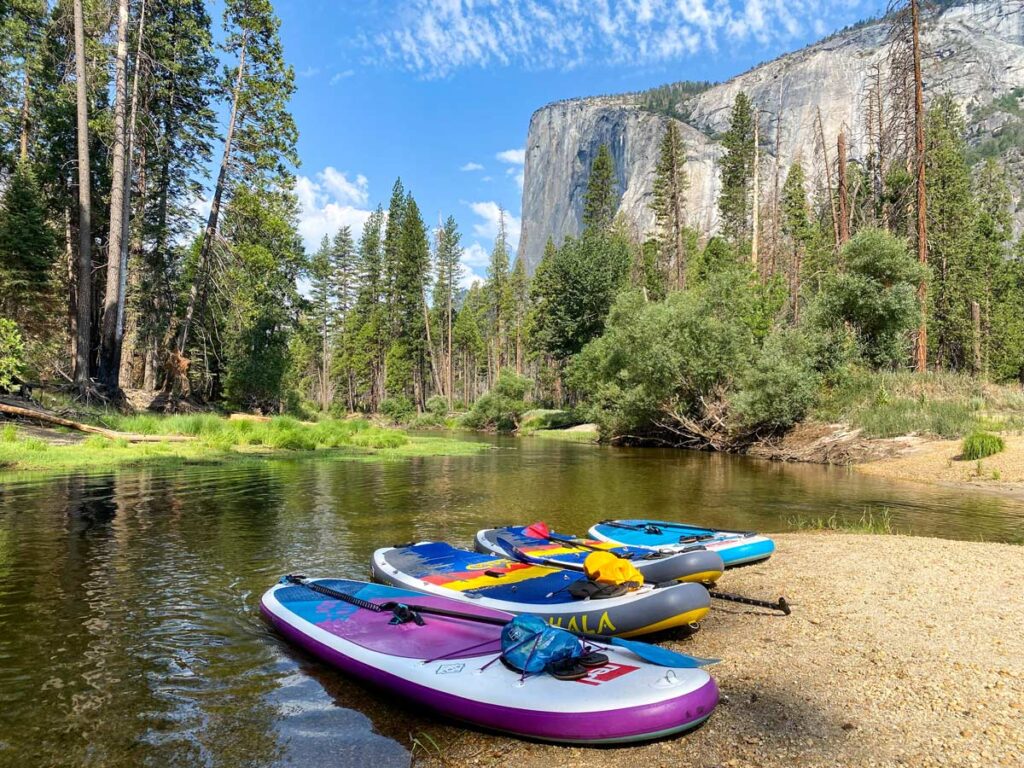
x,y
900,652
937,462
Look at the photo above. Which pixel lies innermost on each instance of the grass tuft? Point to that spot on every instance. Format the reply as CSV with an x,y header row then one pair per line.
x,y
8,434
981,445
869,522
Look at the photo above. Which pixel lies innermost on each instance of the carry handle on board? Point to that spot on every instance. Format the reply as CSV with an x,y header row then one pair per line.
x,y
652,653
782,605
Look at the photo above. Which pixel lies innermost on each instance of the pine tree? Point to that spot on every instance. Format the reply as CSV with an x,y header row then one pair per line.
x,y
322,309
448,268
601,199
737,171
368,323
950,217
1007,339
174,150
796,225
405,357
499,299
391,256
28,245
670,186
988,261
261,134
469,340
519,292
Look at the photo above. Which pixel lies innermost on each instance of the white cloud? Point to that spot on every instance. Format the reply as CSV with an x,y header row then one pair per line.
x,y
337,184
474,264
437,37
490,213
310,72
471,167
513,156
517,175
337,77
328,202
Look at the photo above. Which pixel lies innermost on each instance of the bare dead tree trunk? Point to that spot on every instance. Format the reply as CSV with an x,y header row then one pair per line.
x,y
210,233
126,198
828,180
756,219
976,336
775,186
110,367
844,214
922,207
435,369
448,357
84,293
24,117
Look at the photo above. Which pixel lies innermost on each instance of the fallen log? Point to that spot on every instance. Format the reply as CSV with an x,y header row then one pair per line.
x,y
49,418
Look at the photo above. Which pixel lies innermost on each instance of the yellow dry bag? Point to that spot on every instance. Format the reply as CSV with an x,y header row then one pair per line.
x,y
606,568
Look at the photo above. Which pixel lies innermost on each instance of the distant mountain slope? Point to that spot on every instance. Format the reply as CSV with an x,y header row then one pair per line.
x,y
974,51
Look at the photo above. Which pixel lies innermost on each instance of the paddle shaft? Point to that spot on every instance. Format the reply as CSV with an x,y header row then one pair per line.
x,y
781,605
429,609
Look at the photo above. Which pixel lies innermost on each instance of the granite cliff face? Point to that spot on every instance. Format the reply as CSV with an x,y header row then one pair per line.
x,y
975,52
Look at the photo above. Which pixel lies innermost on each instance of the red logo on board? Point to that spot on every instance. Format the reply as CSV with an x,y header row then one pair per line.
x,y
609,671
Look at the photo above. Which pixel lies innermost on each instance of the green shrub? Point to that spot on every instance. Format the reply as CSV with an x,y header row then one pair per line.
x,y
542,418
875,296
981,445
8,434
398,408
502,407
781,386
12,353
438,406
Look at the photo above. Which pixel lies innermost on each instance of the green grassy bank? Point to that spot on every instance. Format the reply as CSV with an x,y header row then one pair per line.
x,y
217,439
941,404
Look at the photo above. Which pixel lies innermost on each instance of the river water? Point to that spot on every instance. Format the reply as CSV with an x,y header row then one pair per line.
x,y
129,628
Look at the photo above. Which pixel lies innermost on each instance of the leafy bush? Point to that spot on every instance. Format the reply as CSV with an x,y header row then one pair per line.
x,y
544,418
876,295
692,367
781,386
12,353
438,406
502,407
981,445
398,408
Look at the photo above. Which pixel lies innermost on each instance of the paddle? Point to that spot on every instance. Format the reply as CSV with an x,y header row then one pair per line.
x,y
404,612
540,531
510,548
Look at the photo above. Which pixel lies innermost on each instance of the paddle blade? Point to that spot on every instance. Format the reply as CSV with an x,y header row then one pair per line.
x,y
662,656
513,551
538,530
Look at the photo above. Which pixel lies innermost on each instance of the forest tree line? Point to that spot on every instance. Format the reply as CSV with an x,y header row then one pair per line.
x,y
896,259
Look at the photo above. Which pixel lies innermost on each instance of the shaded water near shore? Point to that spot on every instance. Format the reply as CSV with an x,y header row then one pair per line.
x,y
129,629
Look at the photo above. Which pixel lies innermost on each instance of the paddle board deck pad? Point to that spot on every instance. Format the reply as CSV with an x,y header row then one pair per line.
x,y
437,568
735,547
694,563
449,666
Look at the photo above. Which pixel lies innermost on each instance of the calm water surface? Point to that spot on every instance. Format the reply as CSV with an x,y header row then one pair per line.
x,y
129,629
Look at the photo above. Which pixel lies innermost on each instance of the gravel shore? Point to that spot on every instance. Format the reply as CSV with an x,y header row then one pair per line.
x,y
938,462
900,651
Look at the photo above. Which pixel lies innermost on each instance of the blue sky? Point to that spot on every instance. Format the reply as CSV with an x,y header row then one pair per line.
x,y
440,92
